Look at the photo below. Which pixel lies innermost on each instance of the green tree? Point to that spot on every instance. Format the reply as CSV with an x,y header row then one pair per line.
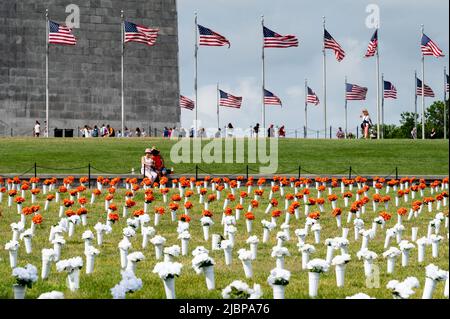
x,y
434,118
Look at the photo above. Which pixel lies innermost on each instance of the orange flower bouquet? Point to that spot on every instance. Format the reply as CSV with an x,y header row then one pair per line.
x,y
385,199
82,201
83,180
242,196
187,207
332,198
400,213
112,218
176,198
230,198
129,203
293,209
249,218
34,193
258,193
159,211
95,193
429,201
164,192
173,210
12,193
274,189
273,203
253,204
238,210
185,218
2,191
275,214
138,212
36,220
82,212
311,202
337,212
347,196
73,193
49,198
321,202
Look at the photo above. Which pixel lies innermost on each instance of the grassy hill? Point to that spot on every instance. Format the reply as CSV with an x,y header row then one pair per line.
x,y
329,157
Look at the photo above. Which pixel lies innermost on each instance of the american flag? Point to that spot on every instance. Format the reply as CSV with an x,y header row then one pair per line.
x,y
229,100
275,40
428,91
330,43
60,34
186,103
390,91
312,97
271,99
211,38
373,45
430,48
140,34
355,92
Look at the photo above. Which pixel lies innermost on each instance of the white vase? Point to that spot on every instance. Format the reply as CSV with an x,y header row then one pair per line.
x,y
100,238
46,265
158,251
435,249
365,242
329,256
249,224
420,253
390,265
280,262
19,291
123,258
157,219
184,247
84,220
27,241
305,259
205,232
61,211
169,288
247,264
13,258
405,258
345,232
215,242
430,286
209,277
71,229
228,256
317,236
414,232
313,284
73,280
340,275
57,249
90,264
278,291
254,250
339,221
368,267
265,235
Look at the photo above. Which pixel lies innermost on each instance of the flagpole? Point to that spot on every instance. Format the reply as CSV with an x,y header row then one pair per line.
x,y
218,102
263,82
382,104
378,88
306,107
46,75
445,103
122,75
324,79
346,131
196,74
423,90
415,100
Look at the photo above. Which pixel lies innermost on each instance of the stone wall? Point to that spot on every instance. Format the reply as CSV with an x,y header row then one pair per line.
x,y
85,79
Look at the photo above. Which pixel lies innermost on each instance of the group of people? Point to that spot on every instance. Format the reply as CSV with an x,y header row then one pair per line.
x,y
152,164
109,131
272,131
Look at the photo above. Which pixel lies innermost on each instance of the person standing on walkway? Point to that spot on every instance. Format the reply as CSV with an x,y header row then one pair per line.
x,y
37,129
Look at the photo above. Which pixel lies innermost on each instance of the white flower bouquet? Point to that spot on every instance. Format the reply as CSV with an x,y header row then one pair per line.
x,y
171,252
12,246
25,277
360,296
128,232
51,295
240,290
167,271
90,253
246,257
132,259
158,241
202,262
129,284
403,290
72,266
48,255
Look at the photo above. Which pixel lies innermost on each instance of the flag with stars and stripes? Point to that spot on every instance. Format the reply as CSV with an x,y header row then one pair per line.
x,y
390,91
373,45
331,43
60,34
186,103
355,92
211,38
275,40
312,97
140,34
271,99
430,48
229,100
428,91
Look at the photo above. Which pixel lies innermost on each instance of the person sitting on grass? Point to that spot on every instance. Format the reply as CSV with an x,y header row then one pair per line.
x,y
148,166
158,162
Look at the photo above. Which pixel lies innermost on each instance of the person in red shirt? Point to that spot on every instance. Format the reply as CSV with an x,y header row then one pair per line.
x,y
158,162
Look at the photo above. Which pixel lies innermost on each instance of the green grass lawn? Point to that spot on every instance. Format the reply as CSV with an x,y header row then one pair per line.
x,y
326,157
189,285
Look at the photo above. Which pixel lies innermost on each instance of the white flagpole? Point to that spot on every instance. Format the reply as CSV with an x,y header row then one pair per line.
x,y
415,100
122,75
47,125
218,102
382,105
346,131
445,103
378,90
423,91
263,106
195,79
324,80
306,108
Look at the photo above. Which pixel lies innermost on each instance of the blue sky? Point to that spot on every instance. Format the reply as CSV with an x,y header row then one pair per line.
x,y
238,69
